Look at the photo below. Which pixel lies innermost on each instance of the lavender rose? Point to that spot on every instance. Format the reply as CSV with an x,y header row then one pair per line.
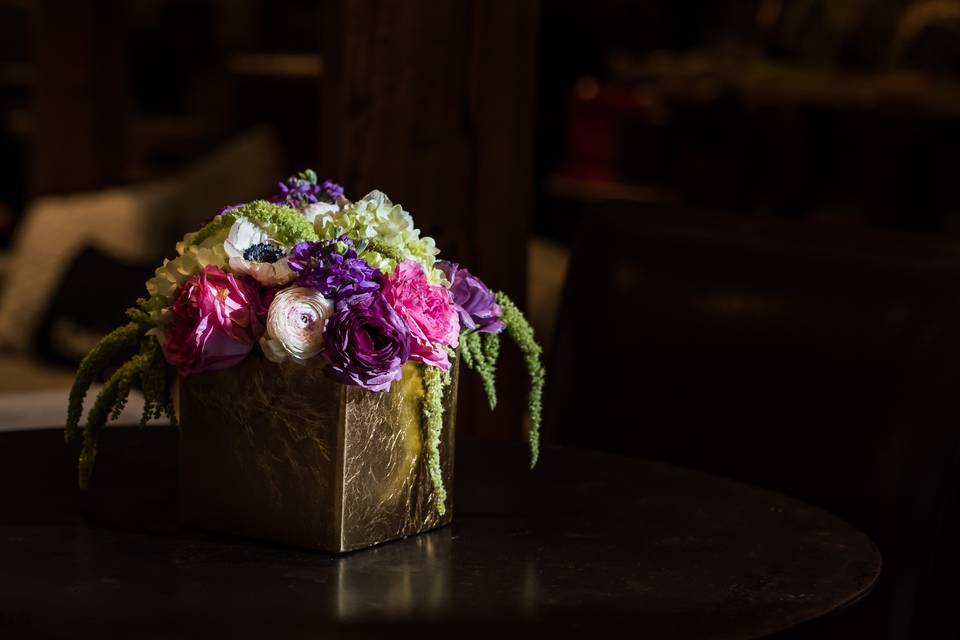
x,y
333,268
367,342
475,303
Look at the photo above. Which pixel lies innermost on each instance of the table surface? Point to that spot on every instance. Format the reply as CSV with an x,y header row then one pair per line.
x,y
586,541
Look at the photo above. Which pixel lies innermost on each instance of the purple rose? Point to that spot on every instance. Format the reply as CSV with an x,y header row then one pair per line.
x,y
475,303
333,268
367,342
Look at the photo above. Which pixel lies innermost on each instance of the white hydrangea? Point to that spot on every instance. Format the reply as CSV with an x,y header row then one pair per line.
x,y
191,259
375,218
319,208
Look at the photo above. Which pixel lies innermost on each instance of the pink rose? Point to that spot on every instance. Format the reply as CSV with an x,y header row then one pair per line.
x,y
427,310
216,319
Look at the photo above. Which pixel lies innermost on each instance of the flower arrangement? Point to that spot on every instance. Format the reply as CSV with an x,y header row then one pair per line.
x,y
308,275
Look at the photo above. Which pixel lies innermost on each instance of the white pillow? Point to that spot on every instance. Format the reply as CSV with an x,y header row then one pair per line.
x,y
131,224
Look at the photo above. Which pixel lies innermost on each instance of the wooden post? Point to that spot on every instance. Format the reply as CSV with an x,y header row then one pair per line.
x,y
432,102
79,96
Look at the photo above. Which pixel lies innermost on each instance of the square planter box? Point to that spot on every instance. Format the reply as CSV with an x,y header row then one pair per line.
x,y
283,453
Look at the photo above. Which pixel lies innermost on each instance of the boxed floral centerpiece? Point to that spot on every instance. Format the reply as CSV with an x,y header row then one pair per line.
x,y
308,349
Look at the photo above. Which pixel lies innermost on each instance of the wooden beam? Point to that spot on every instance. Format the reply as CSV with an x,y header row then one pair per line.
x,y
79,97
432,102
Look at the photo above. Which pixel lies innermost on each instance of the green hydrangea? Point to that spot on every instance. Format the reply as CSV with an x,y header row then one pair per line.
x,y
286,225
386,229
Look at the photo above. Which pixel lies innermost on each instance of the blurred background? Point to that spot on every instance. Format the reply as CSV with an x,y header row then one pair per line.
x,y
735,224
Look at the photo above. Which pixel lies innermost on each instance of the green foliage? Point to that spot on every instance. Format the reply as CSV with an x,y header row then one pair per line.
x,y
522,334
434,381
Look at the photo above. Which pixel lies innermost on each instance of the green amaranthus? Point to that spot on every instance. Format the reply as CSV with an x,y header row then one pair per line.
x,y
481,350
522,333
146,368
434,382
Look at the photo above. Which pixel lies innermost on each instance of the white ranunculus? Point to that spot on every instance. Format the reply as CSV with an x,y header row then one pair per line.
x,y
295,323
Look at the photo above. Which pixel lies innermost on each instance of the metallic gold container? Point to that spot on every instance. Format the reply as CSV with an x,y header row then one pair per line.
x,y
283,453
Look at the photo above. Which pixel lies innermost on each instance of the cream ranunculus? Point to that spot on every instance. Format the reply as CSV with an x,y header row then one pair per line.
x,y
295,325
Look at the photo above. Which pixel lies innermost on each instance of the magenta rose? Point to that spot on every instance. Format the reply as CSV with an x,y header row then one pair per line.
x,y
427,309
216,320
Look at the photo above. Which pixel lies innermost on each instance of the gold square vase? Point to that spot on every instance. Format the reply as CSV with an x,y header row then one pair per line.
x,y
283,453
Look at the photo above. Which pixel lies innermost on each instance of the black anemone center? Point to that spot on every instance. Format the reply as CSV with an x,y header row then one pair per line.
x,y
263,252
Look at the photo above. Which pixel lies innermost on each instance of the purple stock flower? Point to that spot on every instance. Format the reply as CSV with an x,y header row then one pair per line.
x,y
229,208
333,268
475,303
367,342
332,190
302,190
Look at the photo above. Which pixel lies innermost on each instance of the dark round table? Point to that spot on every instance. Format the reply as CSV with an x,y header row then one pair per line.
x,y
586,543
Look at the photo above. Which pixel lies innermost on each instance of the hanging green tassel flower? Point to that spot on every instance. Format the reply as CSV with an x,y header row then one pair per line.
x,y
435,381
480,352
522,334
146,368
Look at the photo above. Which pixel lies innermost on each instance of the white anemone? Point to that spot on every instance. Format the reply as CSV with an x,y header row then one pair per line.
x,y
242,235
245,234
